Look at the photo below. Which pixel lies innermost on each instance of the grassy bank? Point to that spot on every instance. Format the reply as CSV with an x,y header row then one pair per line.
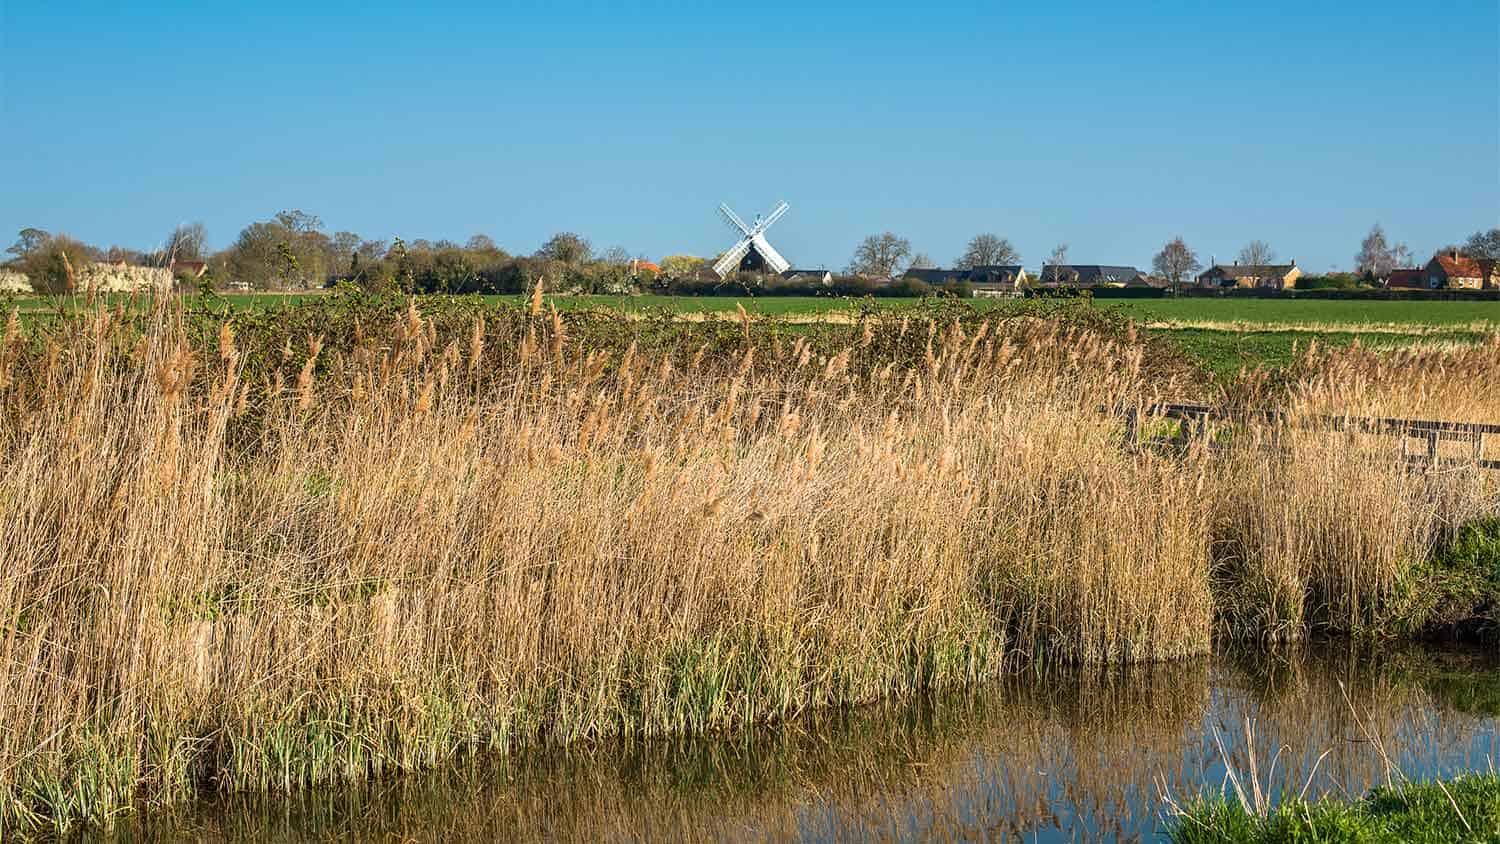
x,y
268,550
1459,810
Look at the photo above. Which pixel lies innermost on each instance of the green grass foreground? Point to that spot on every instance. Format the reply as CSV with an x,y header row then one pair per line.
x,y
1459,810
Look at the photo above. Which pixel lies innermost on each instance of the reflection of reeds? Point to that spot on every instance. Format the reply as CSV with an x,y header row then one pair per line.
x,y
1389,740
241,561
1068,751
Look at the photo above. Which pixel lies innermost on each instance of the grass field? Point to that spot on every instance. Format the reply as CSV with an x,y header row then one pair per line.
x,y
1223,314
1223,335
1314,313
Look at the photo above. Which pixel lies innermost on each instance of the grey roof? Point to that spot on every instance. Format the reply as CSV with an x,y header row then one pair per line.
x,y
937,276
795,273
984,274
1249,270
1091,273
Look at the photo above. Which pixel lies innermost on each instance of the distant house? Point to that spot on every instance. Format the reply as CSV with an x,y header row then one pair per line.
x,y
1274,276
188,269
984,280
1088,275
819,276
937,277
1406,279
1452,271
997,280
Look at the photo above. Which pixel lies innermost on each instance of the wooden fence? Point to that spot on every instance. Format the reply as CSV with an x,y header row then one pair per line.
x,y
1195,420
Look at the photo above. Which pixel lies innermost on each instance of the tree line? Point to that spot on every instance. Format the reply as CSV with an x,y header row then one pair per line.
x,y
293,250
888,254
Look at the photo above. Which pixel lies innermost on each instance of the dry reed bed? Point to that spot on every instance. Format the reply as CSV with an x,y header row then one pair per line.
x,y
383,548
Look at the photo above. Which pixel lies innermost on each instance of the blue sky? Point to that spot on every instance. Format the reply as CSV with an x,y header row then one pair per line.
x,y
1108,126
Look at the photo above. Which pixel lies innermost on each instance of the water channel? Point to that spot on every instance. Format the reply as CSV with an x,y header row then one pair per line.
x,y
1054,756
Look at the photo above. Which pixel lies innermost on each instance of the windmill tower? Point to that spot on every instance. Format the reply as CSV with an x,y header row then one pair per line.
x,y
752,251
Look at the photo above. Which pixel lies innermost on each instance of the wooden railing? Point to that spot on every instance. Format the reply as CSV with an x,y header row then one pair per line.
x,y
1194,422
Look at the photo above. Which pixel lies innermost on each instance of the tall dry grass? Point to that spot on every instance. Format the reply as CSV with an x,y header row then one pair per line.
x,y
230,566
1320,529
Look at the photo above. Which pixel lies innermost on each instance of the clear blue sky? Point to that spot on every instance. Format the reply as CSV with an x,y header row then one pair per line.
x,y
1109,126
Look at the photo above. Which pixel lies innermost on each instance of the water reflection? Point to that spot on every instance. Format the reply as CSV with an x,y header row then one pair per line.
x,y
1064,757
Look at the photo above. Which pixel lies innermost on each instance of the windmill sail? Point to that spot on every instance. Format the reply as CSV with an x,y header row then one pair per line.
x,y
774,216
772,258
733,219
752,251
730,261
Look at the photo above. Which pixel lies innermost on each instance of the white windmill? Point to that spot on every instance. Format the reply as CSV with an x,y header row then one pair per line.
x,y
752,251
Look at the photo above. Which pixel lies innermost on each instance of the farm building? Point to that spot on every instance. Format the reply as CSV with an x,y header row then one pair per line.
x,y
936,277
188,269
1451,270
1276,276
997,280
1090,275
985,280
819,276
1406,279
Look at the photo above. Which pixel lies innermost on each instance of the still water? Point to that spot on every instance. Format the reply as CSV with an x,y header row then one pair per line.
x,y
1065,756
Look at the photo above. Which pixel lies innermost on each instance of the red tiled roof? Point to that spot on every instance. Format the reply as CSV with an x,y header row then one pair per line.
x,y
1459,266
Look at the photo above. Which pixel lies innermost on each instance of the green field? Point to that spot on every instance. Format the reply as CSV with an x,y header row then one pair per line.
x,y
1224,335
1246,314
1366,315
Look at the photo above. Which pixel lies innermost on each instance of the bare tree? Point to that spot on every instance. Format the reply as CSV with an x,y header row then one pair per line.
x,y
880,254
920,261
345,243
1257,253
186,243
1058,262
988,250
1377,257
1484,244
616,256
1175,262
300,222
371,250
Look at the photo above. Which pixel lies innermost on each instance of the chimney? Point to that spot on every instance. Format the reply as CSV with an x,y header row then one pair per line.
x,y
1453,253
